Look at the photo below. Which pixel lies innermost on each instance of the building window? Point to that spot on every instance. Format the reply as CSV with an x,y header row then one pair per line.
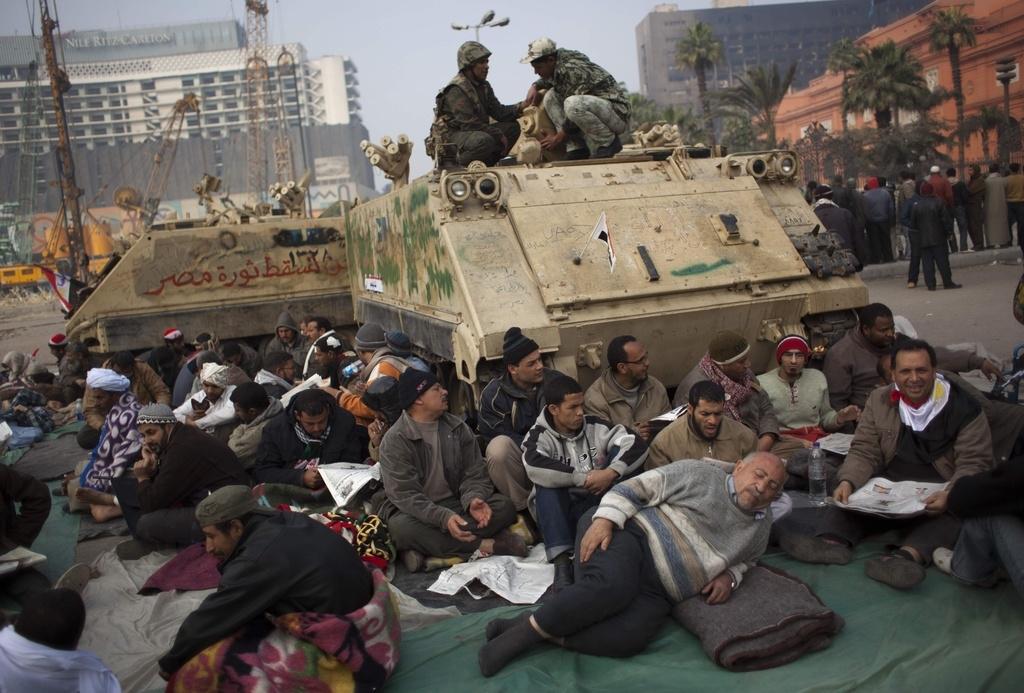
x,y
188,82
92,91
119,129
96,118
213,120
148,85
206,79
99,131
94,104
230,104
77,132
6,109
232,118
227,78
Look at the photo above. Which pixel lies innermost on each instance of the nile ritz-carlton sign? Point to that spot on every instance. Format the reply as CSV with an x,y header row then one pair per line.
x,y
115,40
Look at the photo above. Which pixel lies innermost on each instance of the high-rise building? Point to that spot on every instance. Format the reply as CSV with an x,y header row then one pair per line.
x,y
794,32
125,84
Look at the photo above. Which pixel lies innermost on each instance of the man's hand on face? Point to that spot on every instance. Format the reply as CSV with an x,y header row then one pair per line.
x,y
144,468
457,528
600,480
842,492
598,536
480,511
718,590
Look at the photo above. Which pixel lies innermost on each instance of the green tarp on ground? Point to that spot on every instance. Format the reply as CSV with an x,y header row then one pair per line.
x,y
941,636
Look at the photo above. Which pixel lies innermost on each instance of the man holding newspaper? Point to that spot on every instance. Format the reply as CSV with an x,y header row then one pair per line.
x,y
922,428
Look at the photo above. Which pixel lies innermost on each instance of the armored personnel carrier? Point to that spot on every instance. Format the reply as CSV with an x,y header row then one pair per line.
x,y
667,244
228,274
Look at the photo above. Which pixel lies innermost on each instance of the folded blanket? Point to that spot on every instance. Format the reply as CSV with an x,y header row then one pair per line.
x,y
191,569
773,618
303,652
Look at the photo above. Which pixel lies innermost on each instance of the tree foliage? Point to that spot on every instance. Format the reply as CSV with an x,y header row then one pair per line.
x,y
699,50
884,79
951,30
758,95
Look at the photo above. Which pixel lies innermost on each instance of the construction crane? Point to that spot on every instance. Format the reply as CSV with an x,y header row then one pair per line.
x,y
29,145
70,217
283,164
256,95
163,160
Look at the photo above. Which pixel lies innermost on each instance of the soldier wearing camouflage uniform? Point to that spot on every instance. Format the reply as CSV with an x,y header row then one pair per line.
x,y
462,130
583,100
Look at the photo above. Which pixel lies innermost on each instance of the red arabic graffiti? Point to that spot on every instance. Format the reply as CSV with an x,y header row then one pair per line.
x,y
299,262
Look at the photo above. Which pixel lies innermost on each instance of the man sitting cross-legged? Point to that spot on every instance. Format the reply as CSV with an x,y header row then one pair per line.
x,y
921,428
704,431
657,539
308,580
625,394
439,501
572,461
313,430
180,466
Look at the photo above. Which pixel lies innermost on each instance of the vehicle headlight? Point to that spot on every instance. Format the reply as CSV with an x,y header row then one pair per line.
x,y
757,167
458,190
786,165
487,187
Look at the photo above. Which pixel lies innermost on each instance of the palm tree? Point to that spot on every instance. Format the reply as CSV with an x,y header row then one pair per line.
x,y
988,118
699,50
842,59
885,78
952,29
758,94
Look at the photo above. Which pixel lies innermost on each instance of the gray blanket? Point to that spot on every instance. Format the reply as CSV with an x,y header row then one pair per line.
x,y
771,619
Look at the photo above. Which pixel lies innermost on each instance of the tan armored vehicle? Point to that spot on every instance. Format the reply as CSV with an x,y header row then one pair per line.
x,y
700,243
224,274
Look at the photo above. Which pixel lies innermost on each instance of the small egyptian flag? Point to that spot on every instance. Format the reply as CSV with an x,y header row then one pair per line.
x,y
62,286
602,234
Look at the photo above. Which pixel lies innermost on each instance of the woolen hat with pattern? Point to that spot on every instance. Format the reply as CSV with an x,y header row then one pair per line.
x,y
728,346
516,346
412,384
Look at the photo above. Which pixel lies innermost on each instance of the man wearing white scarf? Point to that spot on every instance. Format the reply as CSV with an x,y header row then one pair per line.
x,y
215,395
920,428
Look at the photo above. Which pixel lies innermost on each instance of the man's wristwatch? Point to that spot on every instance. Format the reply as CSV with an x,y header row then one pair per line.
x,y
732,581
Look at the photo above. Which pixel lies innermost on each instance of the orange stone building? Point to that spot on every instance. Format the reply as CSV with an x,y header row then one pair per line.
x,y
1000,34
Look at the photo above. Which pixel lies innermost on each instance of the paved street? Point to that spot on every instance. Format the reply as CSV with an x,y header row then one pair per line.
x,y
979,312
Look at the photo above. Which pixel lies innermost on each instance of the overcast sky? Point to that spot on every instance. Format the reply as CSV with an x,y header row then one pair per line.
x,y
404,49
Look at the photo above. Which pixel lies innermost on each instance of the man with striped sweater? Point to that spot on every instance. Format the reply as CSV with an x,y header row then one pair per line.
x,y
662,537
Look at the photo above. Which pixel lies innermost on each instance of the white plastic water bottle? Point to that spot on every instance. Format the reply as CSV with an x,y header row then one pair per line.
x,y
816,476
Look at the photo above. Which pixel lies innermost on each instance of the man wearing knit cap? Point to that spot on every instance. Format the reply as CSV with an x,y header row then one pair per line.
x,y
287,338
210,409
440,502
800,395
261,550
509,406
377,359
727,362
839,221
180,466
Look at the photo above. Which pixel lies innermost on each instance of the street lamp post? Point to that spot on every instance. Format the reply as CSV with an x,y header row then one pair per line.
x,y
1006,72
487,21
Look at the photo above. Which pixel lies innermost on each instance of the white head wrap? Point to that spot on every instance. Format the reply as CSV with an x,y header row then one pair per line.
x,y
106,379
215,374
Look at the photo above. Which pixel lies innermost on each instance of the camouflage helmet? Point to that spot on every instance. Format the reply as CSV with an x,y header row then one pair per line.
x,y
470,52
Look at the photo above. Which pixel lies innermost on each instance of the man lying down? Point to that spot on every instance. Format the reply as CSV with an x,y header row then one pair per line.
x,y
655,540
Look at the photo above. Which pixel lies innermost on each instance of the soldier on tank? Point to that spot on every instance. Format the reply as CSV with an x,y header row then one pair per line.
x,y
462,130
586,104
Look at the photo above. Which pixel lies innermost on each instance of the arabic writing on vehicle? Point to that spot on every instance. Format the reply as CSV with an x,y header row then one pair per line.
x,y
297,263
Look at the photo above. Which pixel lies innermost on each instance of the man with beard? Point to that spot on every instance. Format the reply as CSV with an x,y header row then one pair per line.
x,y
180,466
625,395
704,431
800,395
463,130
727,362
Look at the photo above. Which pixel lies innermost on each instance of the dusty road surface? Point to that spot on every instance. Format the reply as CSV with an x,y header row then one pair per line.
x,y
27,321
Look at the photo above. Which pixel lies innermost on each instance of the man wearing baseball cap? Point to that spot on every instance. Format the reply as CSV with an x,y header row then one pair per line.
x,y
272,562
584,101
440,502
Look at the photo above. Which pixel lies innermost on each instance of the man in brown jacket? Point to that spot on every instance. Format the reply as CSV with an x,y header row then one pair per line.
x,y
921,428
704,431
625,395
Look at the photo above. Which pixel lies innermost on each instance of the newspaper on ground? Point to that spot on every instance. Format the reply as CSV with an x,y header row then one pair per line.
x,y
884,498
519,580
838,443
345,479
313,381
19,558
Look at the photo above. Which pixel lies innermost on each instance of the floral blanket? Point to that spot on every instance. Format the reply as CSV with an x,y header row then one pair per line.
x,y
302,652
